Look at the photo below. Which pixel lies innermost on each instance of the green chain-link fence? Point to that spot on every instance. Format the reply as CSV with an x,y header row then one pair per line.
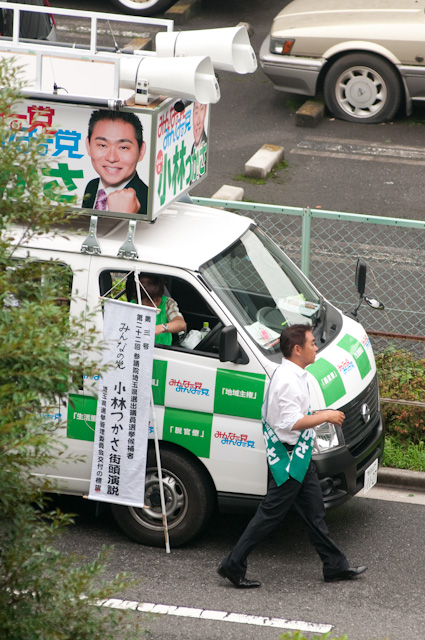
x,y
326,245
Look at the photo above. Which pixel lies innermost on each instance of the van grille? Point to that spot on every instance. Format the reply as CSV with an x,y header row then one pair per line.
x,y
354,428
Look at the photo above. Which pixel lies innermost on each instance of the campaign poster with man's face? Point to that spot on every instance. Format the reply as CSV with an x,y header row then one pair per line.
x,y
133,161
95,158
181,151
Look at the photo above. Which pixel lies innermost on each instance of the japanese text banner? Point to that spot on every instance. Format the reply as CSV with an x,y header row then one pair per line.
x,y
122,419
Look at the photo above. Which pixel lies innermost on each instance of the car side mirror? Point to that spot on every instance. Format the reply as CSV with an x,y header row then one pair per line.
x,y
229,348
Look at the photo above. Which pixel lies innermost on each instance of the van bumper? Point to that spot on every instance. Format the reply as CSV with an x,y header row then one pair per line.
x,y
341,471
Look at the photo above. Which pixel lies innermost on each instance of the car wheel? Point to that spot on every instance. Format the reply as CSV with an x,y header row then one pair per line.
x,y
189,498
362,88
143,7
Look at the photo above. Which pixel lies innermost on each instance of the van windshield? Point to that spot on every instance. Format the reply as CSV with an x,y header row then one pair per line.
x,y
262,288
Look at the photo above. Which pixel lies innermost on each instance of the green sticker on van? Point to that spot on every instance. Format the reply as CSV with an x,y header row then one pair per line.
x,y
189,429
159,375
329,380
357,351
81,420
239,394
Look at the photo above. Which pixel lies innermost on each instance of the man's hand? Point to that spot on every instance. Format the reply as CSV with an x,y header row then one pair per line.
x,y
123,201
332,416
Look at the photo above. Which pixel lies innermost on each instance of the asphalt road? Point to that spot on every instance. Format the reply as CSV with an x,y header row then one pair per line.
x,y
372,169
386,603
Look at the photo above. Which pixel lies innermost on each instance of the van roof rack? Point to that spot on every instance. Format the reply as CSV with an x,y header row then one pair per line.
x,y
91,243
42,52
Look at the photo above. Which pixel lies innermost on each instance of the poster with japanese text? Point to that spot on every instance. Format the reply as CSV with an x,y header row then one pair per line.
x,y
123,407
134,161
95,158
181,151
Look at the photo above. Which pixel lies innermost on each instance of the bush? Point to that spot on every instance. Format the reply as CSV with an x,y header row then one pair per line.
x,y
297,635
44,594
401,376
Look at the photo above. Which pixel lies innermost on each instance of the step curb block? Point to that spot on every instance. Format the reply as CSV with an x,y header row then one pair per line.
x,y
310,114
263,161
401,478
183,10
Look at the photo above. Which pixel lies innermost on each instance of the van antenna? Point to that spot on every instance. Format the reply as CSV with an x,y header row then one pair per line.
x,y
113,37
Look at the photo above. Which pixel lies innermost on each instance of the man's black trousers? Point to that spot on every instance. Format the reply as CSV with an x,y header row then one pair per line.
x,y
307,499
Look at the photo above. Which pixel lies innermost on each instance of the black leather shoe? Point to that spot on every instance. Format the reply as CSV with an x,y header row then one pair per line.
x,y
347,574
238,581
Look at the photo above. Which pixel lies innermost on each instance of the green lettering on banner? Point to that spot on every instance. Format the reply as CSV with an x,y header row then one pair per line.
x,y
357,351
159,375
329,380
239,394
189,429
81,419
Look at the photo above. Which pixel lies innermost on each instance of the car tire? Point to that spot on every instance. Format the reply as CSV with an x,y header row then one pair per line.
x,y
143,9
189,495
362,88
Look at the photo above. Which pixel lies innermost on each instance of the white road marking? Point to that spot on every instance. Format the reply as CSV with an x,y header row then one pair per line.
x,y
356,149
220,616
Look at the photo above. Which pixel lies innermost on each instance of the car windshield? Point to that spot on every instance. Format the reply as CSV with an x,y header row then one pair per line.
x,y
262,288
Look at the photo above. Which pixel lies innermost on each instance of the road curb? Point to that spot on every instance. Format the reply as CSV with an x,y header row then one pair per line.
x,y
401,478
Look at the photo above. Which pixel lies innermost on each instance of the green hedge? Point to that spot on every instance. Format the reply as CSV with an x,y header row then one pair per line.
x,y
401,376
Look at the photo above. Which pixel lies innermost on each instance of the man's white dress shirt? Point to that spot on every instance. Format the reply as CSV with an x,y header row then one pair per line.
x,y
288,401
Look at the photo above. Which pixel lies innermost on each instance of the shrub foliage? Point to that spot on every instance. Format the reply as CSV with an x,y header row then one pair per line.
x,y
44,594
401,376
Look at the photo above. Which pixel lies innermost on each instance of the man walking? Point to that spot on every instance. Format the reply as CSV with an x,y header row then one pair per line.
x,y
288,428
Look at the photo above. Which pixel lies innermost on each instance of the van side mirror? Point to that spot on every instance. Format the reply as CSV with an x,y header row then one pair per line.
x,y
229,348
361,269
360,280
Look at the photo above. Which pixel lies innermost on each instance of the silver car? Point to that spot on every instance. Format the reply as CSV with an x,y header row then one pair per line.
x,y
367,56
143,7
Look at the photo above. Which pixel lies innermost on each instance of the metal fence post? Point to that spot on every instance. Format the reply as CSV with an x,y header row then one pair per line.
x,y
305,241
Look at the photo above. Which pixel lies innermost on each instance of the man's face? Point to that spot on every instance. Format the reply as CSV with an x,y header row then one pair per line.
x,y
114,151
308,351
199,113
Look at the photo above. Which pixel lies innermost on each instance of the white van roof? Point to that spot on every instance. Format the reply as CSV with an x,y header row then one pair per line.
x,y
185,236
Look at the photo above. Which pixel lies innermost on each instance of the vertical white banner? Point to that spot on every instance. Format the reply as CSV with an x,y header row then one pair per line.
x,y
122,419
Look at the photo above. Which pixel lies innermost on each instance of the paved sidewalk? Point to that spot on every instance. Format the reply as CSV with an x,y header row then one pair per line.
x,y
398,485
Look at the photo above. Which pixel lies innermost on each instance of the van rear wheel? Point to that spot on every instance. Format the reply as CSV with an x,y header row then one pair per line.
x,y
189,498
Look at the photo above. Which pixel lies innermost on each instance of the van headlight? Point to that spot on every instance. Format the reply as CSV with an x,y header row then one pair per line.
x,y
327,437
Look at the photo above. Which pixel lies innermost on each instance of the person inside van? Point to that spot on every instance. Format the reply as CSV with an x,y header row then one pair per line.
x,y
169,320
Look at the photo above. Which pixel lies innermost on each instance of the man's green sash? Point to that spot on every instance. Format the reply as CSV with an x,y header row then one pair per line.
x,y
282,464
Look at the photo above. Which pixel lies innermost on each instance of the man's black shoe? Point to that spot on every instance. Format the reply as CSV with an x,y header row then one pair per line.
x,y
347,574
238,581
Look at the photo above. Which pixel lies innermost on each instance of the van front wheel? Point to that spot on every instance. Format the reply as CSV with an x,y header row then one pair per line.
x,y
189,499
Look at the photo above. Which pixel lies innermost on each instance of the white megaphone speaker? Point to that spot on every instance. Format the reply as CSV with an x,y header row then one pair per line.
x,y
192,78
229,48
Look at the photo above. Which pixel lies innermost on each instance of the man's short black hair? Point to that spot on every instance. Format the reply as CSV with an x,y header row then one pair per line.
x,y
152,284
113,116
292,336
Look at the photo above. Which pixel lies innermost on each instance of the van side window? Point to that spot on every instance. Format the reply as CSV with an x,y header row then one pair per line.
x,y
47,275
120,285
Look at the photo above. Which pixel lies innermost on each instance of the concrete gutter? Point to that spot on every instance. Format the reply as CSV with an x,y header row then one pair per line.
x,y
401,478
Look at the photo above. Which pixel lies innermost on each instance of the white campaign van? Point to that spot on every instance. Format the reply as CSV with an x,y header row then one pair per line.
x,y
222,269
